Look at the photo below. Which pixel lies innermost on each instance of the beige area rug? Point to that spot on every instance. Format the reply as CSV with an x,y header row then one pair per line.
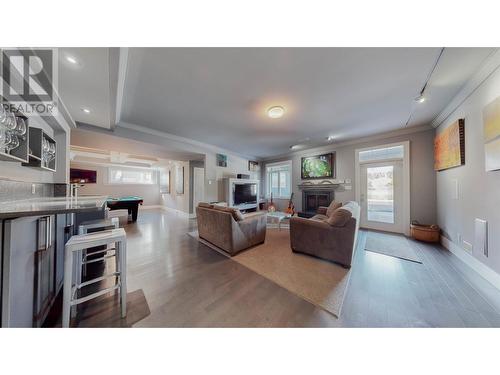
x,y
392,245
320,282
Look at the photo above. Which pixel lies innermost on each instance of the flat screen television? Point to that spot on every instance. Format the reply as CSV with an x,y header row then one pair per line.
x,y
82,176
319,166
245,193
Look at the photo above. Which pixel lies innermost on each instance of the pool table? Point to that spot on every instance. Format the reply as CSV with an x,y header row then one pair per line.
x,y
130,203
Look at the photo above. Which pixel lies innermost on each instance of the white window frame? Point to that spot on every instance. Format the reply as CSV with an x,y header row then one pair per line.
x,y
152,171
406,178
287,163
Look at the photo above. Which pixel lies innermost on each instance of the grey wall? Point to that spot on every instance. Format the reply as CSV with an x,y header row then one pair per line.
x,y
179,202
150,193
193,164
422,175
479,191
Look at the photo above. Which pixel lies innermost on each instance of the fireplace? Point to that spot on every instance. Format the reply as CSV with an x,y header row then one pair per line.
x,y
313,198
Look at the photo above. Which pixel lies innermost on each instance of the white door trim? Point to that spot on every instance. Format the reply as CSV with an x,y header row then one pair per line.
x,y
406,179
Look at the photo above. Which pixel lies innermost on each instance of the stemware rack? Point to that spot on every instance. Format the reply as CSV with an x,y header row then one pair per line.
x,y
35,155
20,153
30,149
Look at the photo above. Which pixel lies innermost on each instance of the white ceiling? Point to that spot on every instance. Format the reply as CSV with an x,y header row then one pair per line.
x,y
220,95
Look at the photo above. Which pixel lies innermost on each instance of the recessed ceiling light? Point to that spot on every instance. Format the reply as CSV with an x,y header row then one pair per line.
x,y
420,99
86,110
329,138
276,112
71,59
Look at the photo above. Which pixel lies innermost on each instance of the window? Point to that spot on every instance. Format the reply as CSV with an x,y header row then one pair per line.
x,y
279,179
131,176
394,152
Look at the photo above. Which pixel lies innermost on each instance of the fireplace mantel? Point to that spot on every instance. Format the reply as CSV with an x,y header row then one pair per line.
x,y
320,185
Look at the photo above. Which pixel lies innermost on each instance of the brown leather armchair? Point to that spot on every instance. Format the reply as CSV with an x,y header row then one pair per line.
x,y
316,237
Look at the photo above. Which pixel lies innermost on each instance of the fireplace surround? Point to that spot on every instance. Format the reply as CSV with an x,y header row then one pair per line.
x,y
314,198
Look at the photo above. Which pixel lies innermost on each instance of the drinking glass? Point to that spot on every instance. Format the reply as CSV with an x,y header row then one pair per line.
x,y
21,126
11,123
12,142
3,114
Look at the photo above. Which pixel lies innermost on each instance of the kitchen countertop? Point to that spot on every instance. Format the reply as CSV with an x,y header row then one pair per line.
x,y
50,206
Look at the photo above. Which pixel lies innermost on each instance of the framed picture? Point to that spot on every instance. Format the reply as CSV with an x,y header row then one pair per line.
x,y
253,166
164,181
491,127
449,147
319,166
179,180
221,160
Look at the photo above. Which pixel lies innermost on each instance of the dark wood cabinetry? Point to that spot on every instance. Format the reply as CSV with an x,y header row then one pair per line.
x,y
33,258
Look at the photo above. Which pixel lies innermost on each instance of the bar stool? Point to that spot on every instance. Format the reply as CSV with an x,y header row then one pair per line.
x,y
94,225
76,245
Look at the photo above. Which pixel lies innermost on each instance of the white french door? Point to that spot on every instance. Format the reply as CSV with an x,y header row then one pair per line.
x,y
381,196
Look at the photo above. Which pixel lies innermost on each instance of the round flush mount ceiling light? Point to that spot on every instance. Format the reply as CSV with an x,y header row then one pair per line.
x,y
330,138
276,112
86,110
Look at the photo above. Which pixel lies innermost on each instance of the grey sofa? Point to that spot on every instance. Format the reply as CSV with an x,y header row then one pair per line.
x,y
322,238
228,229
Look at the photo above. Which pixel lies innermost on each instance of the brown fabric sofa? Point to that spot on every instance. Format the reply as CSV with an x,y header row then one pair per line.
x,y
321,237
228,229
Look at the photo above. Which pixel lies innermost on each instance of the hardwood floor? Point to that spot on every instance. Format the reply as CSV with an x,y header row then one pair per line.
x,y
174,281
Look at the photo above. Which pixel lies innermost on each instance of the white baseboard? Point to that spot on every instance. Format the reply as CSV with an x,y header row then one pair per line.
x,y
151,207
482,269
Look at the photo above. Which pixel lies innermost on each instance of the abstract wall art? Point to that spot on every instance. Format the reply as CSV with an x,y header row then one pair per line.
x,y
491,127
449,146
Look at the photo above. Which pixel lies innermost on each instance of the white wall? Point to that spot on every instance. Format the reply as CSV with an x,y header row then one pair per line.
x,y
422,176
479,191
172,200
150,193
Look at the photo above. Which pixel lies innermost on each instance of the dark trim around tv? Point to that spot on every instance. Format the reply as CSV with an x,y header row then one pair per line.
x,y
333,169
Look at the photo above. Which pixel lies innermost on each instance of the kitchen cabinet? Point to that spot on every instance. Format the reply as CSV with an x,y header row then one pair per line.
x,y
33,259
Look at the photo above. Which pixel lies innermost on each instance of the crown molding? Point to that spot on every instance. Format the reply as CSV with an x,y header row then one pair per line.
x,y
488,67
176,138
328,147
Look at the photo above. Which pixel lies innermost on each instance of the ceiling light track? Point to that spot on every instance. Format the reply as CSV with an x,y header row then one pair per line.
x,y
421,97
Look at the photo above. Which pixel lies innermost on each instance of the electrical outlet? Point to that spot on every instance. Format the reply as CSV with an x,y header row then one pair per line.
x,y
347,180
467,246
33,188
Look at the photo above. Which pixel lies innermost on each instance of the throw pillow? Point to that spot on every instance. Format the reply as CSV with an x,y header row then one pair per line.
x,y
333,207
339,218
233,211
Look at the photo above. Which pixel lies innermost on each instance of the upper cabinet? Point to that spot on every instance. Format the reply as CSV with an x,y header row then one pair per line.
x,y
42,150
14,136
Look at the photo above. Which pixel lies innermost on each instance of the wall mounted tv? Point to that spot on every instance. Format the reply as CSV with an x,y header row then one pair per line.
x,y
319,166
82,176
245,193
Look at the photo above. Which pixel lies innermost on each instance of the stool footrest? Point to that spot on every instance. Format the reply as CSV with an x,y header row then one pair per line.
x,y
86,255
97,279
94,295
98,259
